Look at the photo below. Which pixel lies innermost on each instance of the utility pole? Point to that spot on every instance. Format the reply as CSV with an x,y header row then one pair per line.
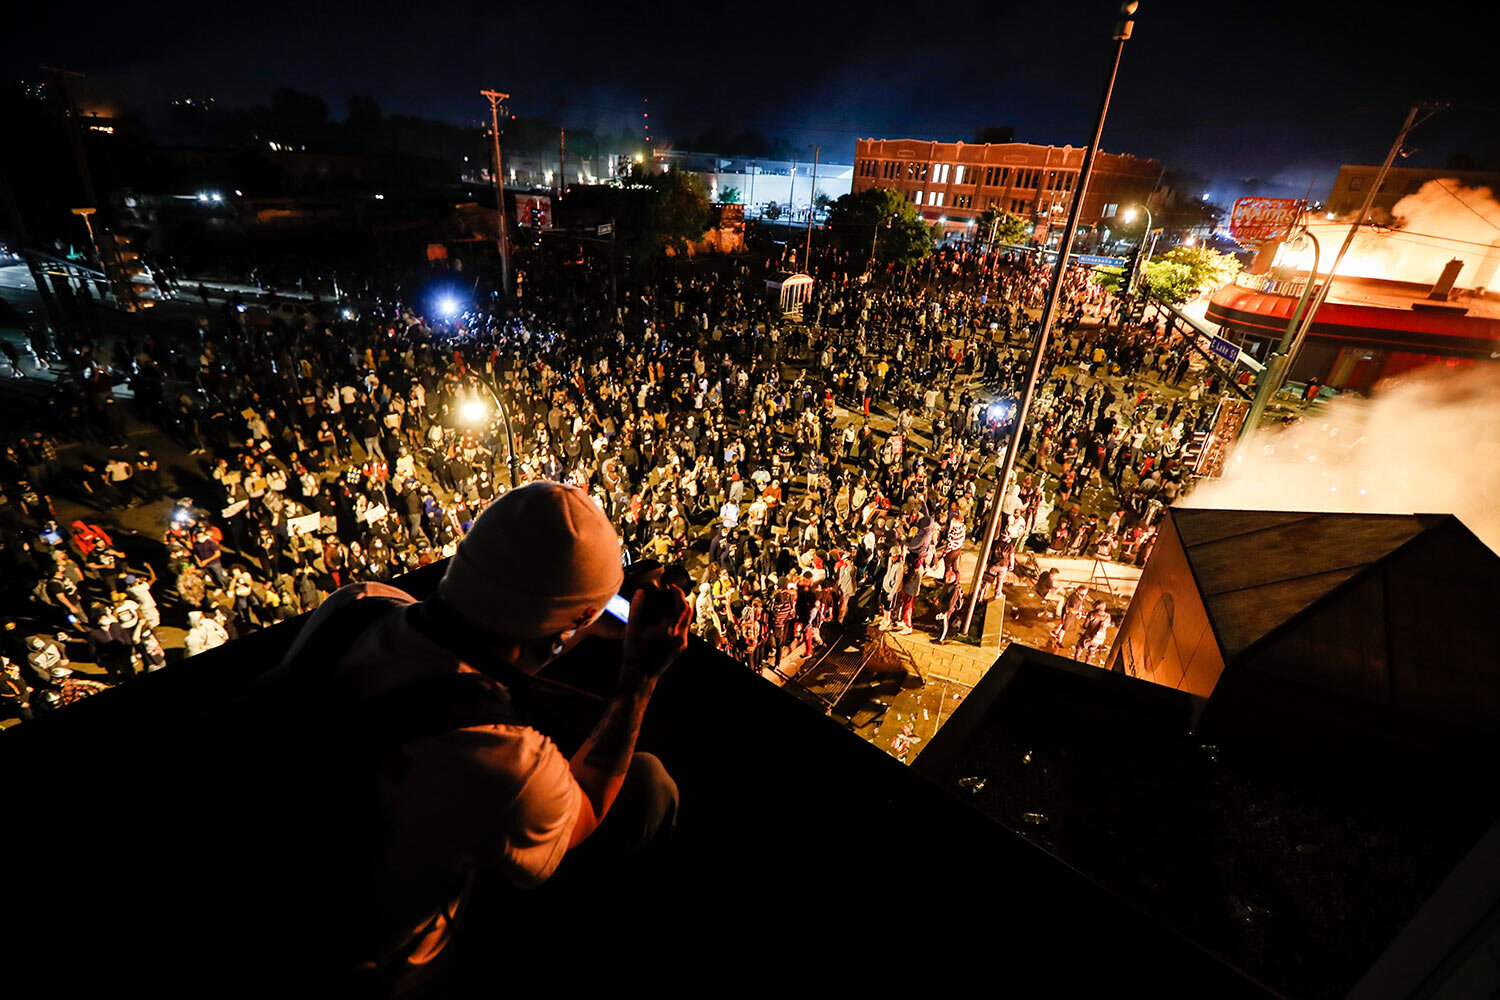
x,y
1054,294
811,208
495,98
123,287
790,204
562,164
1276,374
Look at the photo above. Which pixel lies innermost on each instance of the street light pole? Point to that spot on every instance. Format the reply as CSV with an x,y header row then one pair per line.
x,y
812,207
1039,350
124,289
790,206
510,437
1138,269
1276,364
875,236
495,98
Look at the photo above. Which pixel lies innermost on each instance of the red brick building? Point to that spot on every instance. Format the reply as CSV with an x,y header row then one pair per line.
x,y
953,182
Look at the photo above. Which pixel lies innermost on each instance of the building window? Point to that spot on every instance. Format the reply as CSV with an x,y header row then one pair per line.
x,y
940,173
958,174
937,198
1356,184
1110,210
918,199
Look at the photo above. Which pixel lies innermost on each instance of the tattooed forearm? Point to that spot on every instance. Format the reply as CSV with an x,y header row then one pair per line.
x,y
605,755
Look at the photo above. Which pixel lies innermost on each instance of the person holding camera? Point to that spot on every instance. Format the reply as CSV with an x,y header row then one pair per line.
x,y
449,686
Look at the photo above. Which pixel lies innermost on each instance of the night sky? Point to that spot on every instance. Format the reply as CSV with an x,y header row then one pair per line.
x,y
1274,91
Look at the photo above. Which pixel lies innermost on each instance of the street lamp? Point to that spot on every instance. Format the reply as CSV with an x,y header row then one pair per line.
x,y
510,437
1123,29
1278,363
1139,268
473,411
84,213
889,221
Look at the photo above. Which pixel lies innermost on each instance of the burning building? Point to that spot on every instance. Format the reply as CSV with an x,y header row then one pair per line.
x,y
1417,293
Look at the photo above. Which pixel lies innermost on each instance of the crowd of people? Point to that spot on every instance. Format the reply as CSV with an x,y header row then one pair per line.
x,y
804,472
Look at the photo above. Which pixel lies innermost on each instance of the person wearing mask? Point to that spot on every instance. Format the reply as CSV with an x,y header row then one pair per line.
x,y
207,556
204,633
109,646
139,590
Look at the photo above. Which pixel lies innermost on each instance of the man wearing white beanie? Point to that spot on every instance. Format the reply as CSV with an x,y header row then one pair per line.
x,y
482,789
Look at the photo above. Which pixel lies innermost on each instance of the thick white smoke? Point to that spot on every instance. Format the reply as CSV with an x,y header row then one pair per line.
x,y
1435,224
1431,445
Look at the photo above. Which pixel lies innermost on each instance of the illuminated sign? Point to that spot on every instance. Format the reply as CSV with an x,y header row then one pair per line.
x,y
1260,220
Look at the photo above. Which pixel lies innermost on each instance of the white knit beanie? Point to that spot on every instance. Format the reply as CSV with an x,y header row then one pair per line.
x,y
540,560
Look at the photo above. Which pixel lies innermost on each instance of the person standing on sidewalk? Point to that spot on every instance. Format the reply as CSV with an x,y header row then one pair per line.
x,y
910,588
951,602
784,618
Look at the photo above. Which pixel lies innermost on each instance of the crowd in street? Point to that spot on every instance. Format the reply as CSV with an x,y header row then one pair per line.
x,y
802,472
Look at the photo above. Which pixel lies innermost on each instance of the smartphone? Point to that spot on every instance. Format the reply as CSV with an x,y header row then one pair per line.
x,y
619,607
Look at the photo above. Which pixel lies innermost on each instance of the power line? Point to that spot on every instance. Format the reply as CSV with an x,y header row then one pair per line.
x,y
1392,231
1466,204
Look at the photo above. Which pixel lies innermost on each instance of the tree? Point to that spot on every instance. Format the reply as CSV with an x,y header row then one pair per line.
x,y
677,211
1205,268
1011,229
729,196
361,111
1170,281
903,237
298,117
1109,278
1177,275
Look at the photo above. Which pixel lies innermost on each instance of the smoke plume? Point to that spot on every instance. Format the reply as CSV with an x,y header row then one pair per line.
x,y
1435,224
1431,445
